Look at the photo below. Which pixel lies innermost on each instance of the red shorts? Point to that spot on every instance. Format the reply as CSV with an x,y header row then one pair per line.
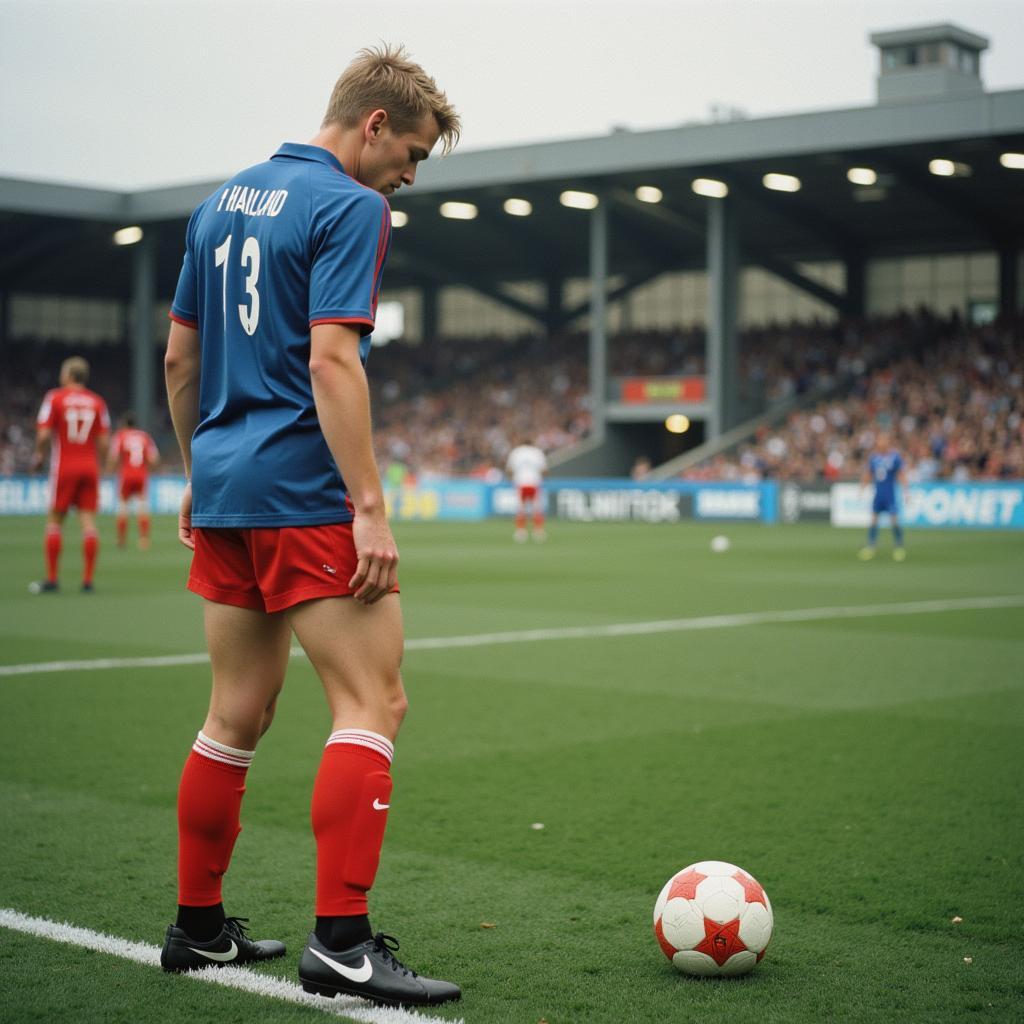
x,y
132,487
79,489
270,569
527,492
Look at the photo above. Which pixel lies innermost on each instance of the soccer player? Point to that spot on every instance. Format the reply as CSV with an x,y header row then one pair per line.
x,y
885,469
134,453
285,513
74,424
526,464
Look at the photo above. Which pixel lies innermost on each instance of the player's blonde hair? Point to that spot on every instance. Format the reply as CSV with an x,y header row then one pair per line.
x,y
384,77
75,368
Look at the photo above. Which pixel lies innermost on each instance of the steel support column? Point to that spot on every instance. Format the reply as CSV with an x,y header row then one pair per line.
x,y
723,306
429,310
143,340
1009,280
856,286
598,315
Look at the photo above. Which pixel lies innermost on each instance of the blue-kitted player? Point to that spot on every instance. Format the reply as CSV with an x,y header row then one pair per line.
x,y
885,470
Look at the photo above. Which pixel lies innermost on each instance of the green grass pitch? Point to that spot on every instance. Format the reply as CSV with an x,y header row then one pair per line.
x,y
867,771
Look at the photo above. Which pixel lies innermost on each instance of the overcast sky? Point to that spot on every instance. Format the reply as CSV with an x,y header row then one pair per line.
x,y
137,93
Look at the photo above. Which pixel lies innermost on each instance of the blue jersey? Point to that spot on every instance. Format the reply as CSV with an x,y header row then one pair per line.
x,y
885,471
283,246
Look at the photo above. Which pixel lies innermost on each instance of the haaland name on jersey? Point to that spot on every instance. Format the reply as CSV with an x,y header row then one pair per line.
x,y
253,202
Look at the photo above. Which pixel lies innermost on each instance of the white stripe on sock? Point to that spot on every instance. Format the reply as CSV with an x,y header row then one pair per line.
x,y
364,738
216,751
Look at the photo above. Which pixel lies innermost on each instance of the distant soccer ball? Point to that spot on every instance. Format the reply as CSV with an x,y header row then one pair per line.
x,y
719,544
712,918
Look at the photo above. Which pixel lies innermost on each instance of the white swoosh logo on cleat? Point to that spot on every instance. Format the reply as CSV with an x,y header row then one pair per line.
x,y
219,957
356,974
378,806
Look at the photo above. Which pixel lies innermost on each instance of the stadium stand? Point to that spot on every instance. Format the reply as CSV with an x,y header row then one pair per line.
x,y
952,393
953,399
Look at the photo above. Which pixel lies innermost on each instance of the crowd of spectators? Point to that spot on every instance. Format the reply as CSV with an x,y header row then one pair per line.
x,y
952,400
950,394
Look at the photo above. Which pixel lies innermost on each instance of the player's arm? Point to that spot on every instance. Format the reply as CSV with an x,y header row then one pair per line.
x,y
43,436
181,374
103,445
342,399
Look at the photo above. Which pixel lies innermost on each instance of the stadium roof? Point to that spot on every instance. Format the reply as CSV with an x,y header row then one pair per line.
x,y
57,238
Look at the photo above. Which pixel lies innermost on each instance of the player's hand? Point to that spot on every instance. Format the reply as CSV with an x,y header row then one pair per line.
x,y
377,567
185,519
36,464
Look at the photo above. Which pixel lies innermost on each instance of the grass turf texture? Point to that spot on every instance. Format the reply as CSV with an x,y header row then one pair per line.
x,y
866,771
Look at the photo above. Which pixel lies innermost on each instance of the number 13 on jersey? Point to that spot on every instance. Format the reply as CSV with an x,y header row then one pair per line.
x,y
248,313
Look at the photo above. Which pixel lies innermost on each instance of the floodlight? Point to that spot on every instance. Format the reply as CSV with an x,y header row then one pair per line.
x,y
649,194
399,218
781,182
710,187
579,200
459,211
861,176
518,207
128,236
949,168
677,423
1015,161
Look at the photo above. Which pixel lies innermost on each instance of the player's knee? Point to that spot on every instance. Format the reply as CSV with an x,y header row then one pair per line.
x,y
398,705
268,716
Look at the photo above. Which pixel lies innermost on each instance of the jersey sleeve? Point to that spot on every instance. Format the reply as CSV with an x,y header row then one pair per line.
x,y
350,249
46,411
185,308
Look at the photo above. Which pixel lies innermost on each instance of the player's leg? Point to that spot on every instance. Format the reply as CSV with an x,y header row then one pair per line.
x,y
899,552
90,545
54,541
520,534
538,515
61,493
122,516
867,552
142,516
357,651
248,658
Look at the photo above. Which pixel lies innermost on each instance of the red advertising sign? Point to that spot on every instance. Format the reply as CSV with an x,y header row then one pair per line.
x,y
662,390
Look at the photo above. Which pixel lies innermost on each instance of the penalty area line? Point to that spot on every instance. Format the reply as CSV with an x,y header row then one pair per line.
x,y
240,978
526,636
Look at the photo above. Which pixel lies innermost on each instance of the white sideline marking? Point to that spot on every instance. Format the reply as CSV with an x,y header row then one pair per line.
x,y
240,978
523,636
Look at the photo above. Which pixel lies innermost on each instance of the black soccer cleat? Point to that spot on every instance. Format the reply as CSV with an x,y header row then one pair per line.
x,y
372,971
232,947
43,587
88,588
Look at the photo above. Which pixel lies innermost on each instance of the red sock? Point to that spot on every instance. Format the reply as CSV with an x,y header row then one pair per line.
x,y
90,547
122,530
209,801
521,519
52,547
350,801
143,527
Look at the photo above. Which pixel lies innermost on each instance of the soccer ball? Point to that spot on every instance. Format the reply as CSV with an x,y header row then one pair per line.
x,y
712,918
719,544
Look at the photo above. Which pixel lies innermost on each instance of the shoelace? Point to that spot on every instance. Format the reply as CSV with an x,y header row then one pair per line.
x,y
234,926
388,945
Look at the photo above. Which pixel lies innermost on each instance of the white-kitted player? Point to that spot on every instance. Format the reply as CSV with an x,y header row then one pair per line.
x,y
526,464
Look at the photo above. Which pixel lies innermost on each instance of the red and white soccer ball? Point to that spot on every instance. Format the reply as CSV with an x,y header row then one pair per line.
x,y
712,918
